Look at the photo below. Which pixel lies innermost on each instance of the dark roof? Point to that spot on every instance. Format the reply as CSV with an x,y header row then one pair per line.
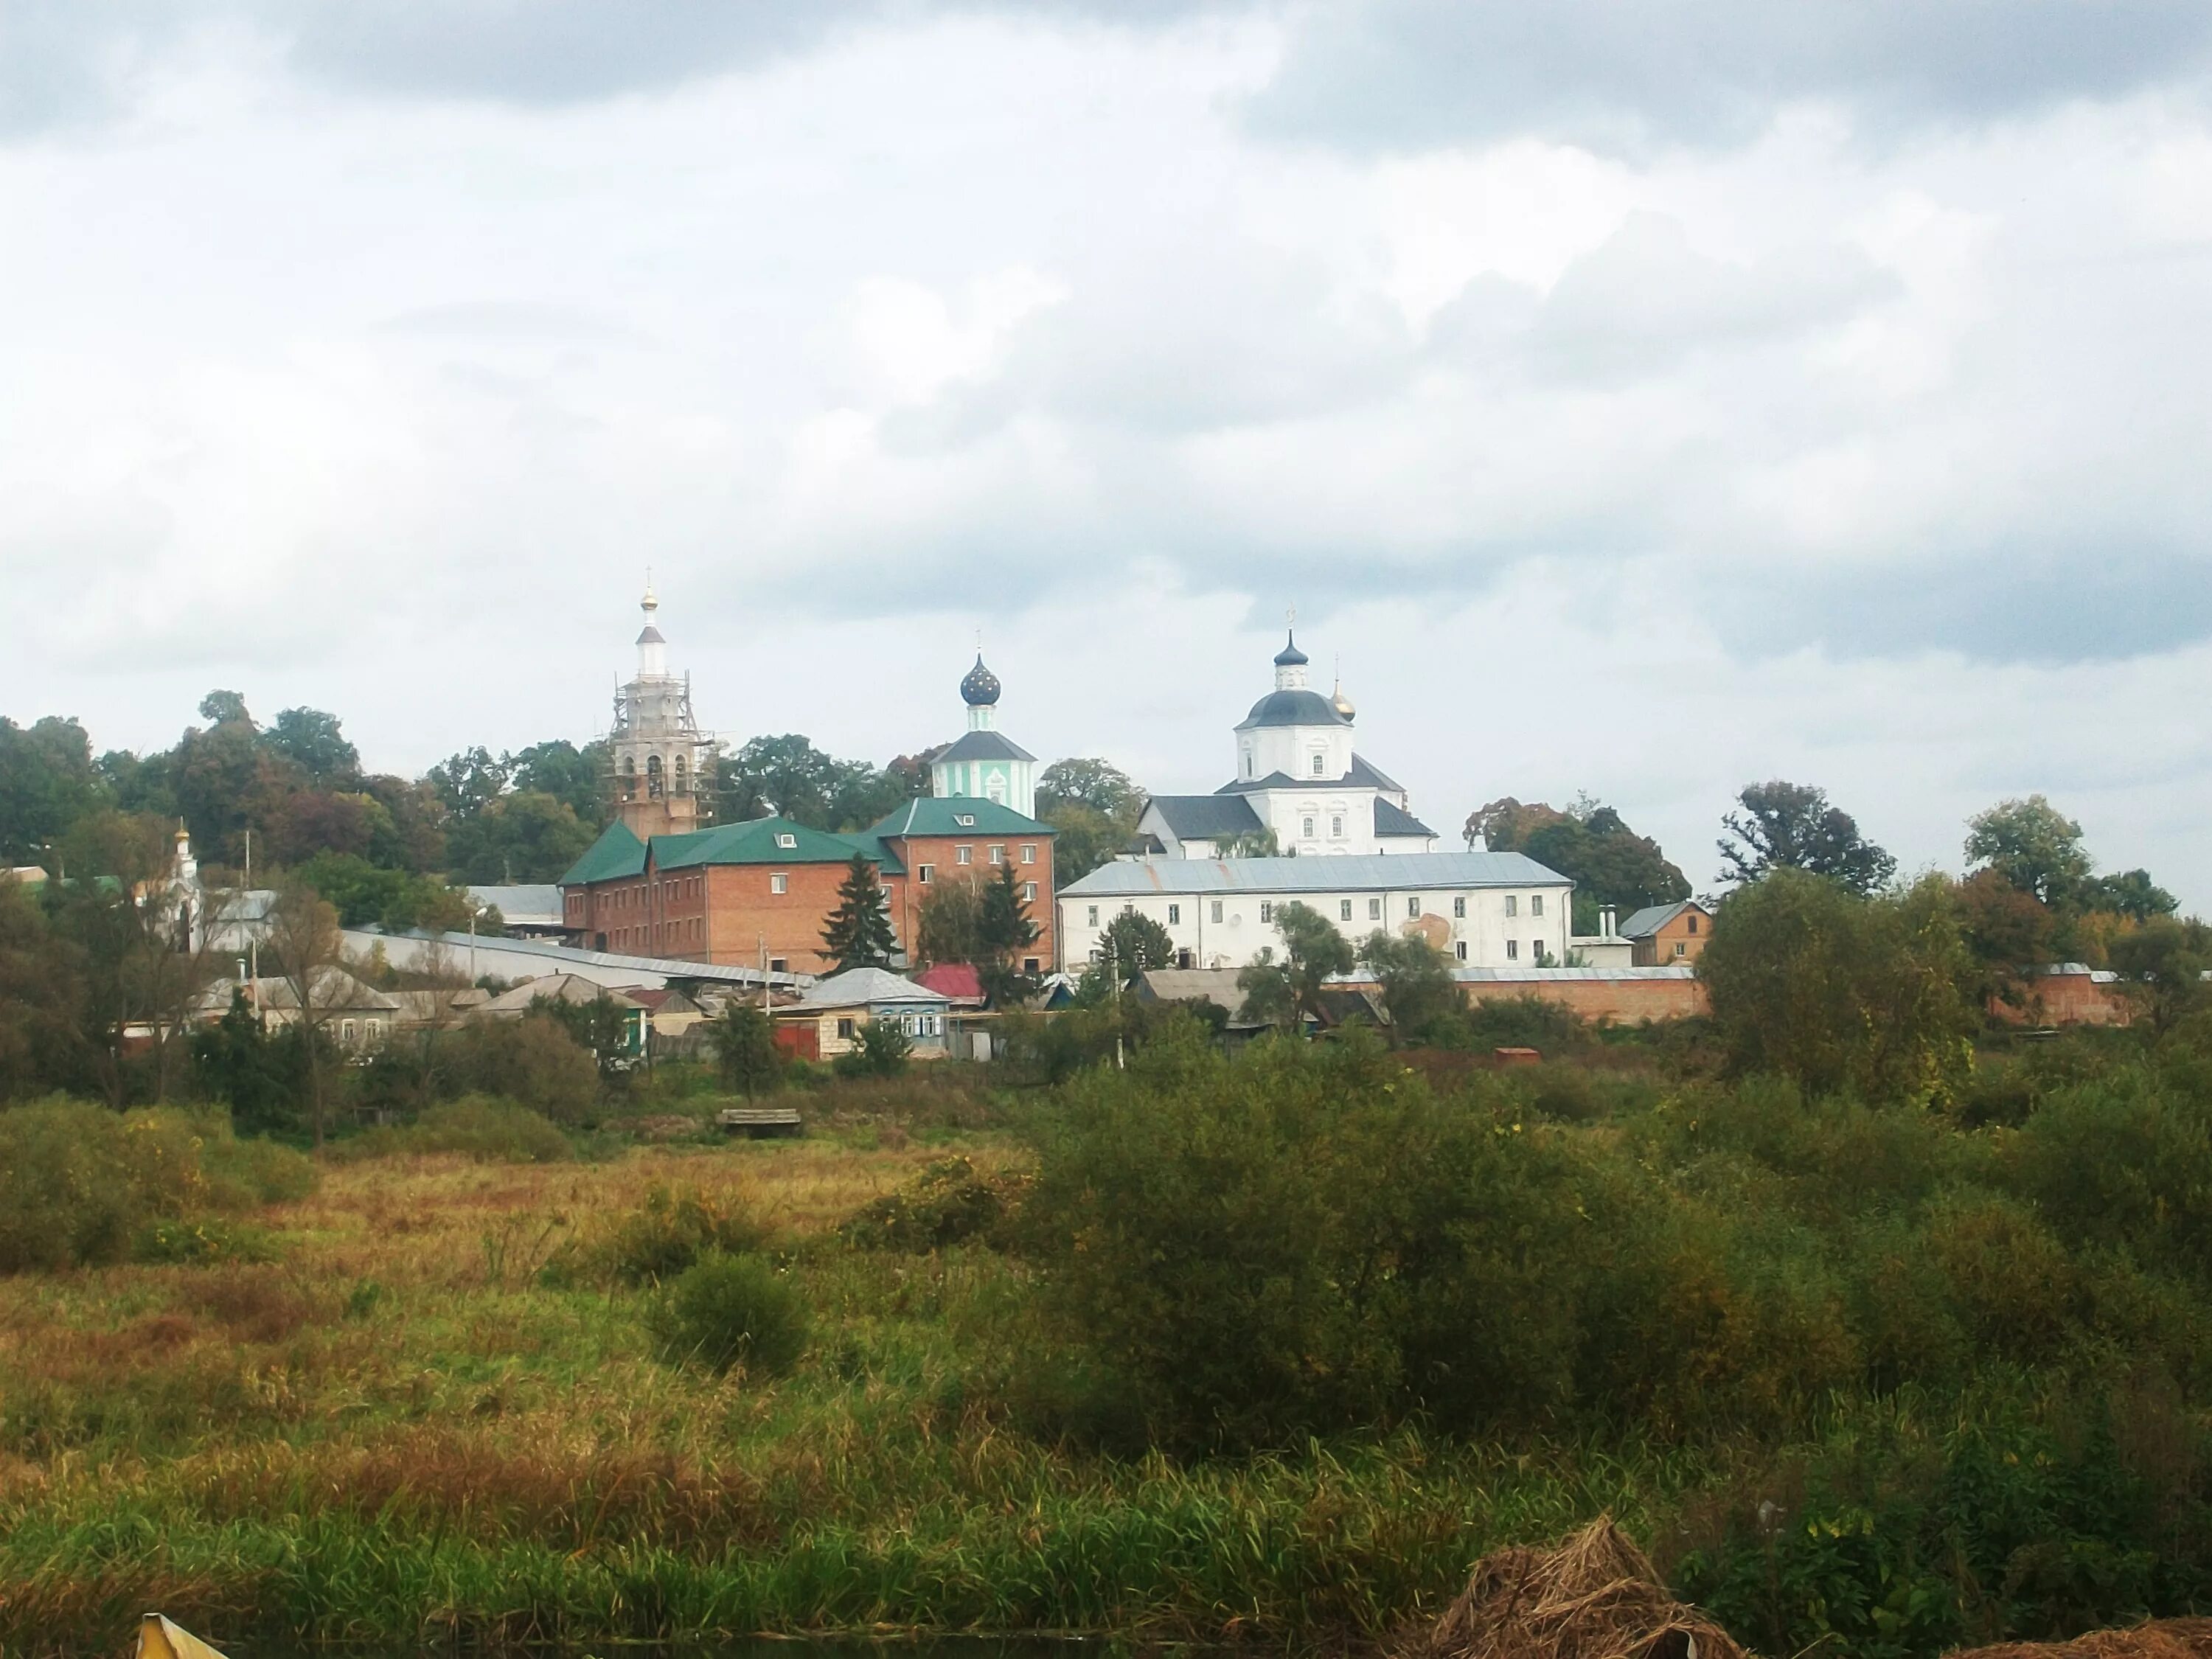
x,y
1391,819
1290,656
939,815
1366,774
980,689
983,746
1299,707
651,636
1206,818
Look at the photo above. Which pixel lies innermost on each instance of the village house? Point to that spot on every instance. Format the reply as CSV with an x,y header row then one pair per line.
x,y
1665,934
827,1018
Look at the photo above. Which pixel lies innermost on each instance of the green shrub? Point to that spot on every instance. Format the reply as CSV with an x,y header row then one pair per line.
x,y
77,1182
672,1231
243,1174
948,1202
199,1243
880,1050
730,1311
490,1131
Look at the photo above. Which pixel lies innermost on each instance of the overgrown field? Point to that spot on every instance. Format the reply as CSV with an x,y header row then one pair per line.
x,y
438,1399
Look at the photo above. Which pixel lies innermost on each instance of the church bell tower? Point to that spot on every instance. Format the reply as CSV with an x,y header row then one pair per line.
x,y
660,764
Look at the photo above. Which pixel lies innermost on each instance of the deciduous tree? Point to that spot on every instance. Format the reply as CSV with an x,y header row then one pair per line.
x,y
1792,826
2033,846
1289,984
1416,981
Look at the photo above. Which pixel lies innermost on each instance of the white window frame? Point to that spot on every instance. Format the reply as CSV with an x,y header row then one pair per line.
x,y
1028,851
1344,910
779,881
1267,910
1512,904
1459,907
925,873
1174,915
1029,892
1513,950
1092,916
1216,909
786,840
1375,910
1535,904
998,853
963,855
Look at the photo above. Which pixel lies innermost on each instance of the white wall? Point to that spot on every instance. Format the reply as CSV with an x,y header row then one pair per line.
x,y
1237,938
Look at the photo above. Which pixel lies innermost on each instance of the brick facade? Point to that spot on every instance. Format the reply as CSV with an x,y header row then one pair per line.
x,y
942,857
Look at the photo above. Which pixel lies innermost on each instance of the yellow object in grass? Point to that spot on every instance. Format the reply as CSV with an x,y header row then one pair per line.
x,y
158,1638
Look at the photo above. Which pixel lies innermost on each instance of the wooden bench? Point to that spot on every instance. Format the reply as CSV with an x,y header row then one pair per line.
x,y
758,1121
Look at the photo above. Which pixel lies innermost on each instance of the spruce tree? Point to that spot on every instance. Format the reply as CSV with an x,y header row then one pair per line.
x,y
1005,930
860,930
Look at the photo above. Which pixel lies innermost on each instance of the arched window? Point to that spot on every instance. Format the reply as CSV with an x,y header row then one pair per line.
x,y
682,776
653,779
629,777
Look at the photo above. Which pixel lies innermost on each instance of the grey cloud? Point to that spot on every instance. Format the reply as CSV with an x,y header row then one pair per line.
x,y
2039,605
1414,74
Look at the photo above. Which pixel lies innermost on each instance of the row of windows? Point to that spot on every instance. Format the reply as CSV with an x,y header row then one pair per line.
x,y
1343,908
347,1030
914,1025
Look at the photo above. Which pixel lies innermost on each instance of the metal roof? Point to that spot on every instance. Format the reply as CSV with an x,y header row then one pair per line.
x,y
1364,774
1378,872
984,745
1391,819
940,815
617,851
755,841
859,986
1206,818
1652,917
1299,707
531,902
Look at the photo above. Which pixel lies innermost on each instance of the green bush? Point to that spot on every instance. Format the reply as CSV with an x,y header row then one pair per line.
x,y
201,1243
79,1183
490,1131
949,1202
726,1311
672,1230
881,1050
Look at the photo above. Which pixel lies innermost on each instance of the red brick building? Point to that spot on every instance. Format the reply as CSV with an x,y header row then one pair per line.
x,y
743,894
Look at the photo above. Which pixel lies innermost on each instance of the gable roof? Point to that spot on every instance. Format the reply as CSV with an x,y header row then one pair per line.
x,y
553,987
617,851
866,986
1394,872
1391,819
939,815
957,980
1652,917
1364,774
984,745
755,841
1206,818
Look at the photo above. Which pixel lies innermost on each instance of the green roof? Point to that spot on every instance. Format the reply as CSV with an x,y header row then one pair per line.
x,y
617,851
756,841
940,815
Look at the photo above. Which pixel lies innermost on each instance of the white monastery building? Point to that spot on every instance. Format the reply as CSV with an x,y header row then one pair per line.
x,y
1486,910
1298,778
1346,843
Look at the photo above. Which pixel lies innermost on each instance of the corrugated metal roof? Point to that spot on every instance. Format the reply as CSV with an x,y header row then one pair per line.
x,y
755,841
1383,872
617,853
530,902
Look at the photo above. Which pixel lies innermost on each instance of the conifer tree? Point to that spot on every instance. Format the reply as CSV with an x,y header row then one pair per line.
x,y
1006,931
860,930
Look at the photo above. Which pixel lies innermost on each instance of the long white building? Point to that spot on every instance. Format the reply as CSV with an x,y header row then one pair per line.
x,y
1486,909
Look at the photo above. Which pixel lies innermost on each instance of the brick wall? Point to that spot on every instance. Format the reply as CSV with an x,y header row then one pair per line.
x,y
941,854
1603,1001
745,908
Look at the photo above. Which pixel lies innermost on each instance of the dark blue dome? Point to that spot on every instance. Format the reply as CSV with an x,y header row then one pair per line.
x,y
1299,707
980,688
1290,656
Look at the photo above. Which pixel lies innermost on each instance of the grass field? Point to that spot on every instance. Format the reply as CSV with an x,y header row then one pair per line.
x,y
396,1429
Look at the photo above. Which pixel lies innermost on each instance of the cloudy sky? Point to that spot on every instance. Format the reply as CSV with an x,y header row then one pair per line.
x,y
1637,397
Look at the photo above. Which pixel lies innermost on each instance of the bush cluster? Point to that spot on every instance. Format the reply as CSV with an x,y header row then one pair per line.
x,y
730,1311
670,1230
1309,1238
479,1127
78,1183
949,1202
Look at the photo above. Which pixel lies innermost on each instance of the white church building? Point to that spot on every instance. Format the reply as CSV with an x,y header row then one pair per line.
x,y
1300,790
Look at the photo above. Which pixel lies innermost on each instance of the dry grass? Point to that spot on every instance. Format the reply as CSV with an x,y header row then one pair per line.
x,y
2161,1638
1593,1595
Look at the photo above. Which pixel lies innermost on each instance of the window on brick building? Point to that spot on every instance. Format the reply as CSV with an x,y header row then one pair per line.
x,y
997,855
778,965
1028,851
925,873
779,882
963,855
1029,965
1029,892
